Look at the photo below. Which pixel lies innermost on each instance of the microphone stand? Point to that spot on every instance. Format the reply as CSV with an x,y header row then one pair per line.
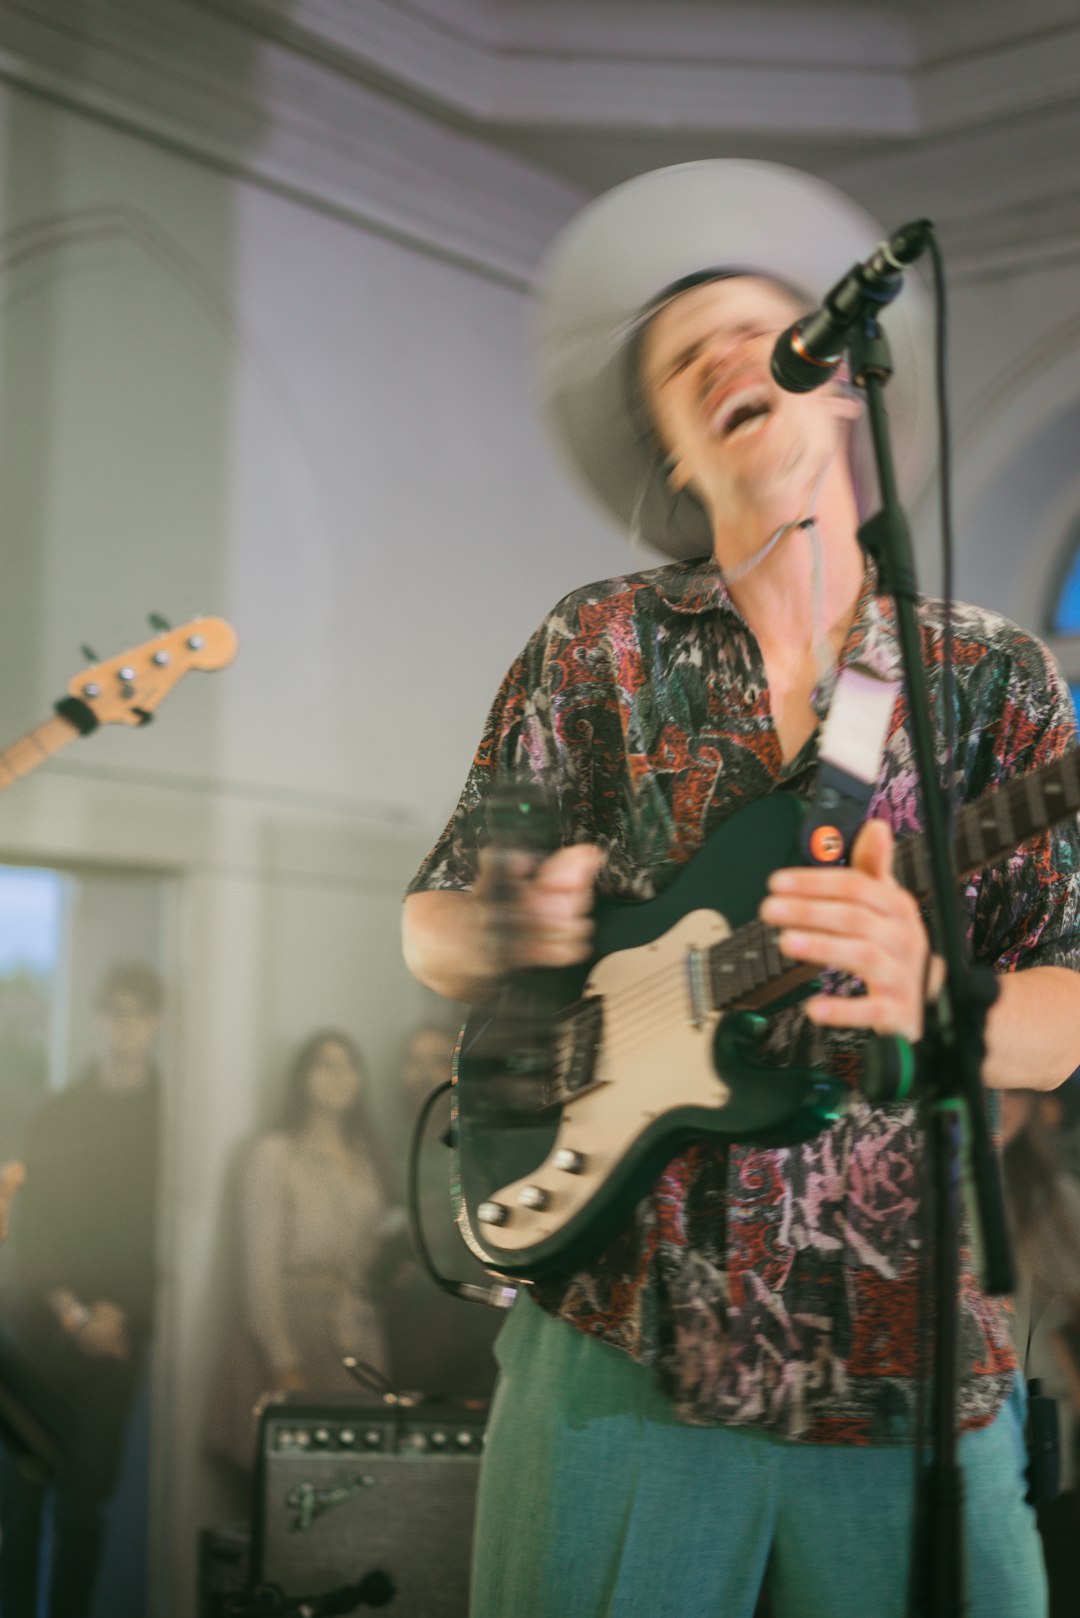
x,y
957,1137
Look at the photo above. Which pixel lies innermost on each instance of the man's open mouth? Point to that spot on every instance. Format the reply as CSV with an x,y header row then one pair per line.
x,y
741,410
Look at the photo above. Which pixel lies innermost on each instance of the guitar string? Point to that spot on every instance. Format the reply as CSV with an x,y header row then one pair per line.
x,y
657,986
647,1016
631,1032
662,987
753,952
651,992
657,983
656,990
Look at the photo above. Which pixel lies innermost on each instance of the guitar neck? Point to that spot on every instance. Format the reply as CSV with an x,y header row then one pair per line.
x,y
748,968
997,823
33,749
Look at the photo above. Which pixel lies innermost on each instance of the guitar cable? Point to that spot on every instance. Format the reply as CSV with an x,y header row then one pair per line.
x,y
492,1297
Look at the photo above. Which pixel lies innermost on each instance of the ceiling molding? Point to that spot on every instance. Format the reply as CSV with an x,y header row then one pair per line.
x,y
606,65
474,128
996,83
196,84
707,98
808,35
677,65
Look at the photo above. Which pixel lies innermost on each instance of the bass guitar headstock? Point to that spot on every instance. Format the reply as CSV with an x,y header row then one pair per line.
x,y
125,690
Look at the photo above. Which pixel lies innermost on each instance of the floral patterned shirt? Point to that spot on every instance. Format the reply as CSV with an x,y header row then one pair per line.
x,y
778,1286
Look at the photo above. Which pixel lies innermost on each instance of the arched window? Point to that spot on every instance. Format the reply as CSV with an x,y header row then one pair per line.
x,y
1063,618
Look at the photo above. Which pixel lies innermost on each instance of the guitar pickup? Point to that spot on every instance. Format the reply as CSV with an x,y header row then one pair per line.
x,y
697,982
577,1045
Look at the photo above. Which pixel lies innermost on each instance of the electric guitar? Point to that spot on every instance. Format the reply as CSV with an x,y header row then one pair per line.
x,y
573,1088
125,690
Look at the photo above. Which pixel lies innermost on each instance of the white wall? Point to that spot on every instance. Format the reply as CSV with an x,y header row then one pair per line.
x,y
1018,493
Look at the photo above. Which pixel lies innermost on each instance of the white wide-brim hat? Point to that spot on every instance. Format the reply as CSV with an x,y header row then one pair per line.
x,y
624,249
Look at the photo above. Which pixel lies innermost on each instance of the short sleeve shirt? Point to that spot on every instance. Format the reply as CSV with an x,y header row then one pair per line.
x,y
777,1287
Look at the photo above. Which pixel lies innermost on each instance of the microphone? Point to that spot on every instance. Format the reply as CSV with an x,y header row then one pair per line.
x,y
809,352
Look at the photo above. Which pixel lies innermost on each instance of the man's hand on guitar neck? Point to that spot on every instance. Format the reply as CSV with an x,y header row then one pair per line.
x,y
518,914
858,920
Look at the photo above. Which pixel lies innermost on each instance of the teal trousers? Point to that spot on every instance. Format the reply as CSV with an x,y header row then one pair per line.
x,y
596,1503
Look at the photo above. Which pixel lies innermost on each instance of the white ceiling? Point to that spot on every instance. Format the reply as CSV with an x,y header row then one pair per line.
x,y
477,126
970,108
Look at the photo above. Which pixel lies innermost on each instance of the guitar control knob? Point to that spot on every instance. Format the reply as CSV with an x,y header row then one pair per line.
x,y
373,1438
463,1439
493,1213
321,1437
533,1196
569,1161
346,1438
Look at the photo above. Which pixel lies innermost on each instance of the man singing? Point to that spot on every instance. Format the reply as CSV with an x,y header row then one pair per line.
x,y
723,1400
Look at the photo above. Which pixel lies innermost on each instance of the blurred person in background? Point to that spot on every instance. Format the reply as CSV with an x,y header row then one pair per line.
x,y
12,1180
84,1237
314,1214
439,1344
1060,1110
1044,1210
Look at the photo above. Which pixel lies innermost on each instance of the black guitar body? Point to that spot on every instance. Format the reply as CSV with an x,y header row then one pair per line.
x,y
512,1092
572,1090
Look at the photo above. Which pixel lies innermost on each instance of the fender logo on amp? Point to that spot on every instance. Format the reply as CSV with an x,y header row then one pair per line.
x,y
309,1502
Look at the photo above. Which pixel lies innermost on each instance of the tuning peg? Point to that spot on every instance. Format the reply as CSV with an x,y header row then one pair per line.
x,y
89,653
156,621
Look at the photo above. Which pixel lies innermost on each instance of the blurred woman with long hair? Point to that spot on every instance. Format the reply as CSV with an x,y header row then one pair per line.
x,y
313,1214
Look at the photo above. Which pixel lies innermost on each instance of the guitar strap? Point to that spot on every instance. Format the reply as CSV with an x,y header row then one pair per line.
x,y
850,756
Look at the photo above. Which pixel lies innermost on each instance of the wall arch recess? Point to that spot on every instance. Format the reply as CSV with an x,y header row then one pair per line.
x,y
1018,486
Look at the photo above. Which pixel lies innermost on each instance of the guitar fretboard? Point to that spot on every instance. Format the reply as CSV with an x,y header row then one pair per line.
x,y
997,823
748,968
32,750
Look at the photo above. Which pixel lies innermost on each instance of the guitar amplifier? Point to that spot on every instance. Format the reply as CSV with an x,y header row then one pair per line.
x,y
345,1490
